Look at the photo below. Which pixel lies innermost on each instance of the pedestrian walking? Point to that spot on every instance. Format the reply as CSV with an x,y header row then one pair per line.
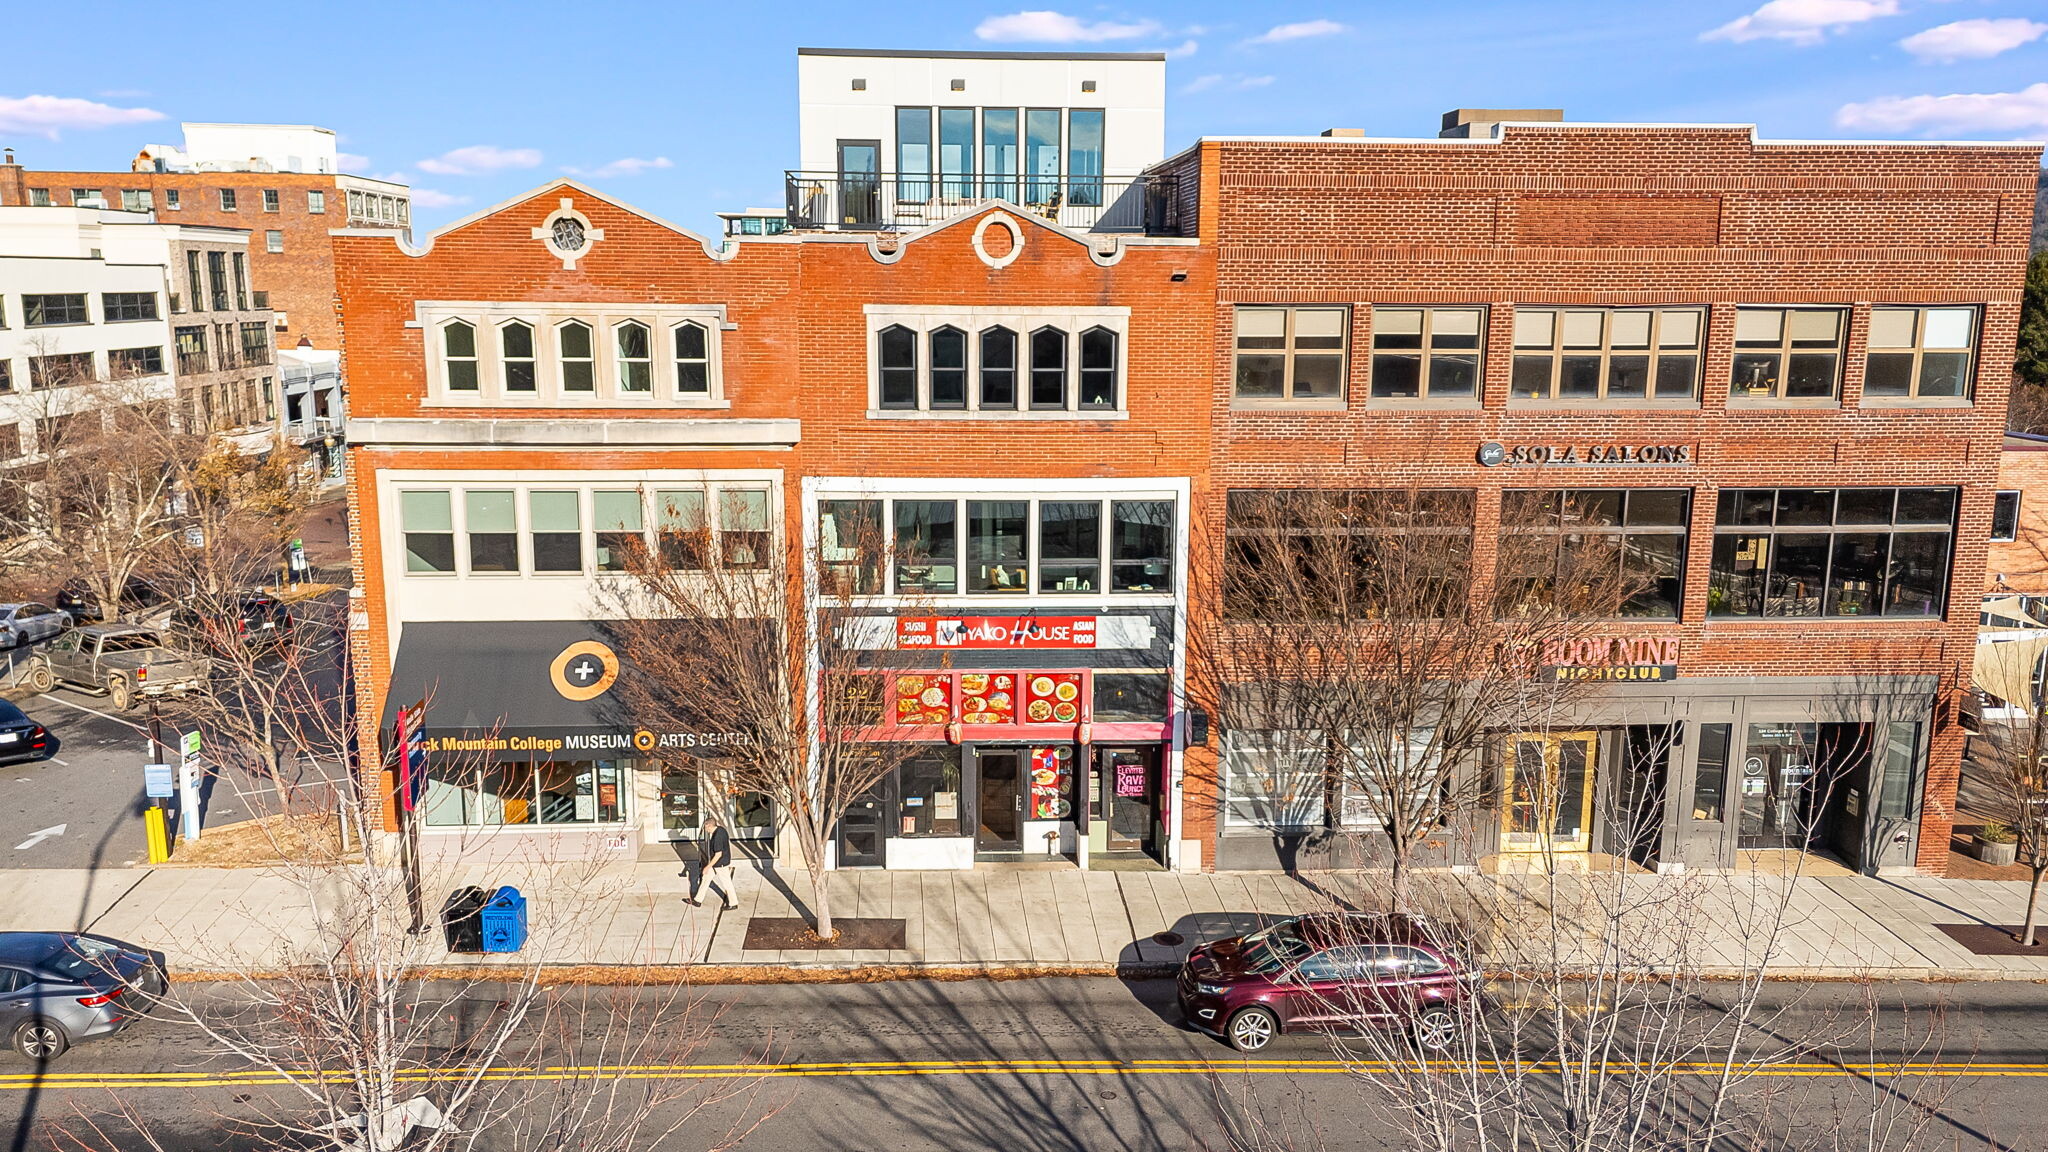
x,y
714,870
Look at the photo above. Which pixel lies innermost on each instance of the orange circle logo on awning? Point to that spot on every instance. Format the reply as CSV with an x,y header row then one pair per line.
x,y
584,671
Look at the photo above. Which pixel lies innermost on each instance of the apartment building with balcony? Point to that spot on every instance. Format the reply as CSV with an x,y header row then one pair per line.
x,y
899,140
1772,374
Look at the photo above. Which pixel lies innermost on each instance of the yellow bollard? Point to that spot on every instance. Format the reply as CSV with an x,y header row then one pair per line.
x,y
159,837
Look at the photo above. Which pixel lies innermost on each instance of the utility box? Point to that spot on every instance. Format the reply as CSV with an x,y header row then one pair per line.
x,y
504,921
459,919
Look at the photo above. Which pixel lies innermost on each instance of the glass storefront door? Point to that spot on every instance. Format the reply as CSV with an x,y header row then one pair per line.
x,y
1001,801
1778,786
1124,797
1547,791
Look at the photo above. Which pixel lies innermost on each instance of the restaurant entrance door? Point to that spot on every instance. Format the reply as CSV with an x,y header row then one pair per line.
x,y
1123,798
1000,799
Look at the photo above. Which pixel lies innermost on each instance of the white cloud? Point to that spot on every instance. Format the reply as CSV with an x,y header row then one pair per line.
x,y
1801,21
429,198
624,166
1224,82
480,158
51,116
1185,49
1050,27
1301,30
1964,113
350,161
1972,39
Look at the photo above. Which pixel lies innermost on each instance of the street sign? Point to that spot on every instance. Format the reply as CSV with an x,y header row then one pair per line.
x,y
156,781
188,787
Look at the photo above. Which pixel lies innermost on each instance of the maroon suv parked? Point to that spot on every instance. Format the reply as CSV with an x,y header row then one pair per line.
x,y
1327,972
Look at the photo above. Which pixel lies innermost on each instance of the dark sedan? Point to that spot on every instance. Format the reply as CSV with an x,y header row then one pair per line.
x,y
1330,973
59,988
22,738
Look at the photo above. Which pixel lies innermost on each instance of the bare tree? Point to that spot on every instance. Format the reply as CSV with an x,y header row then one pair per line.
x,y
2008,760
785,651
1360,664
99,498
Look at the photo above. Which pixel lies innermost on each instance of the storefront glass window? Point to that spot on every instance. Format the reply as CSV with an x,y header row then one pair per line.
x,y
1130,696
1557,538
1273,779
849,534
682,809
996,542
1141,545
928,793
1069,546
927,546
1898,796
1710,782
507,794
450,800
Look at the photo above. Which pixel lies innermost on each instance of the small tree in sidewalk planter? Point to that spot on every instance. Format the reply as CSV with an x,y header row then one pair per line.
x,y
1362,668
779,654
2008,763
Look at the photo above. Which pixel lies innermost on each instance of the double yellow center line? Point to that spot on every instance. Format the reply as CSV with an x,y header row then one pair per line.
x,y
58,1079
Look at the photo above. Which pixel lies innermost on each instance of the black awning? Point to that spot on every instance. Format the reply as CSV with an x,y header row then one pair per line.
x,y
517,691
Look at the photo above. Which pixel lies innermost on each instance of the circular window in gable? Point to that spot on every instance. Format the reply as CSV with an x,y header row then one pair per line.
x,y
568,234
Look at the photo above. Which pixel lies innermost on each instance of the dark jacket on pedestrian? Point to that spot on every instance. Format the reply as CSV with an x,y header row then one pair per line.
x,y
718,849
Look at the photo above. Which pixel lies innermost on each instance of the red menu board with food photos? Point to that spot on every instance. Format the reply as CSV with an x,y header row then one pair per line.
x,y
1051,774
1052,697
924,699
988,697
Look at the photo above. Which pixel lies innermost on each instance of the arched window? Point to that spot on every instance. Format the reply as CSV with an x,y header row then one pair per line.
x,y
458,353
579,372
949,368
515,346
693,360
636,362
898,357
1049,368
1098,368
998,368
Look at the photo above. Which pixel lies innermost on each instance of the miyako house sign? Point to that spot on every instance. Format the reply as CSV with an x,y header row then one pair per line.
x,y
1494,455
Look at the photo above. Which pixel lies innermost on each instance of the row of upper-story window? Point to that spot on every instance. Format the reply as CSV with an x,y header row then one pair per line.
x,y
1300,355
67,309
979,362
1786,552
239,346
144,199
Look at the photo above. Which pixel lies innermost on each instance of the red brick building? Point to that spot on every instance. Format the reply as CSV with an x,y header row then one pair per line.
x,y
1026,405
1782,368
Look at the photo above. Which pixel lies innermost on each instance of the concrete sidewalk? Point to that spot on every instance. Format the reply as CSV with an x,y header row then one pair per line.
x,y
633,914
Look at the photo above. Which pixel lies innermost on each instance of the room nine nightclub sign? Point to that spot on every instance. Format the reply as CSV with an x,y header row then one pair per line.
x,y
1611,658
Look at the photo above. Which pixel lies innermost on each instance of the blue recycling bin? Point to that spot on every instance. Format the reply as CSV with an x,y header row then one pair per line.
x,y
504,921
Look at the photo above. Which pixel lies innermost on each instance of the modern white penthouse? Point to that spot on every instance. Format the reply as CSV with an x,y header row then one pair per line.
x,y
902,139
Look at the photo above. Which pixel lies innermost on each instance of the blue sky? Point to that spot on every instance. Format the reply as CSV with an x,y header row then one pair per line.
x,y
687,108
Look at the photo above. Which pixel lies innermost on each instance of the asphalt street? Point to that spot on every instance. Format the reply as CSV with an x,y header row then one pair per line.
x,y
1056,1064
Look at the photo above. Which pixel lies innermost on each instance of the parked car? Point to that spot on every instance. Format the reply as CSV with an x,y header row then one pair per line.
x,y
83,603
121,660
27,623
58,988
22,738
1330,973
254,618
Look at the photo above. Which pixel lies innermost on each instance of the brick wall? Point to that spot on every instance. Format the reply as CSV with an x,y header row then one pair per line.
x,y
796,349
2021,565
1619,216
